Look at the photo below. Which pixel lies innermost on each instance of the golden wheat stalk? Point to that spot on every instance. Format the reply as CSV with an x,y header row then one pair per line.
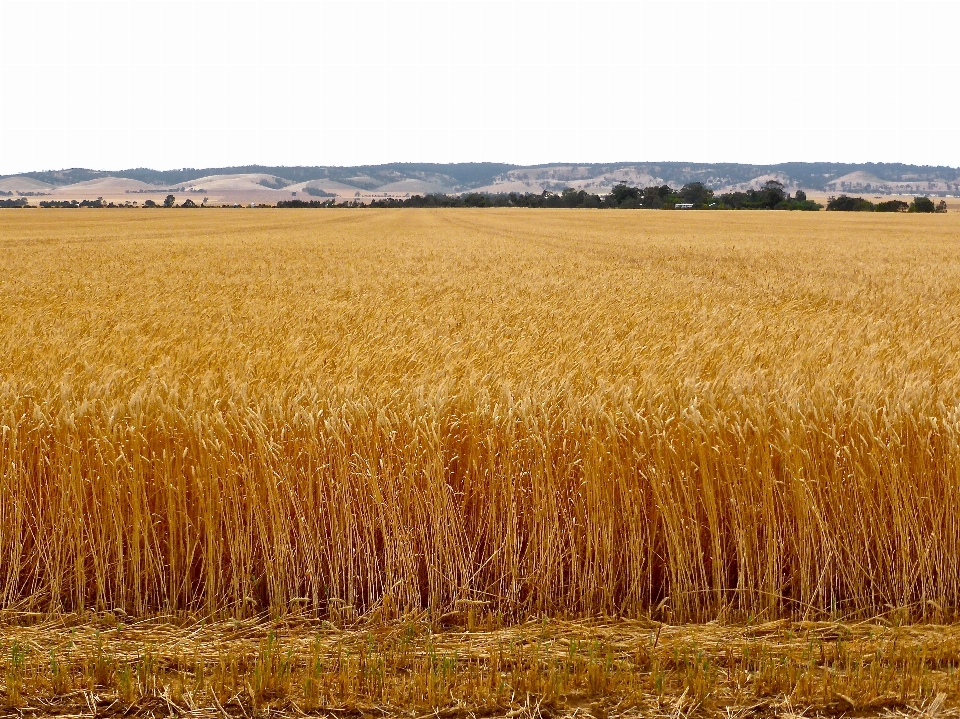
x,y
545,412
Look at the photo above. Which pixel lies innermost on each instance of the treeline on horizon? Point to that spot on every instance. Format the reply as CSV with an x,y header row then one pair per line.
x,y
858,204
693,195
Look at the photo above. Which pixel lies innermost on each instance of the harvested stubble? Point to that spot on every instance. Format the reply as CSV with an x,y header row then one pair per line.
x,y
573,413
105,665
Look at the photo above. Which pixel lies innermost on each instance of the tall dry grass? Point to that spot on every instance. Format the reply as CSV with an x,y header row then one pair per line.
x,y
572,413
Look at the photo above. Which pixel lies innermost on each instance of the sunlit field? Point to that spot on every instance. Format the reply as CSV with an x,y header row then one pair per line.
x,y
484,461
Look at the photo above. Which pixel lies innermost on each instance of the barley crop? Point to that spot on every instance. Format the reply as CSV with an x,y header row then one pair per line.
x,y
569,413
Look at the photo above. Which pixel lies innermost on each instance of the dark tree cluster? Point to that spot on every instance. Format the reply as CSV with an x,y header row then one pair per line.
x,y
694,195
892,206
171,201
849,204
316,192
772,196
859,204
19,202
304,203
99,202
74,203
568,198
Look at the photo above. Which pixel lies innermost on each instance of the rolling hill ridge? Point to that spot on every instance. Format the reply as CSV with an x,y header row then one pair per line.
x,y
256,183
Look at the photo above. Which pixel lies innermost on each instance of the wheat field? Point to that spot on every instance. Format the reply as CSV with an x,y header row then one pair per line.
x,y
485,461
692,416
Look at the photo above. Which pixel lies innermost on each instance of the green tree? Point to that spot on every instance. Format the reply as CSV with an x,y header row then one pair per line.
x,y
696,193
773,193
169,201
922,204
892,206
849,204
622,193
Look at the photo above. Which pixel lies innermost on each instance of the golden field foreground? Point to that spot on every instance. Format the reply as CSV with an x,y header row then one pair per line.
x,y
479,461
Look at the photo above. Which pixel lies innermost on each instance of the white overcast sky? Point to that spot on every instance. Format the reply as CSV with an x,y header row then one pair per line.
x,y
113,85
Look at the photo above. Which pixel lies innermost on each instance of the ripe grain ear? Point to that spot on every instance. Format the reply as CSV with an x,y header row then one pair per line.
x,y
484,416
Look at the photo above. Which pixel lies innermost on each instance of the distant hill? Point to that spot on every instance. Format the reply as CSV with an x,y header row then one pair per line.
x,y
402,179
364,177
